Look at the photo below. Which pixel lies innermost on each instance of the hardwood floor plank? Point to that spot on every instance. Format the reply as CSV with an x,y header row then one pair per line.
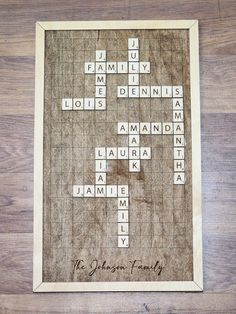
x,y
16,134
218,91
16,203
16,262
182,9
227,8
217,37
215,134
17,83
111,303
219,243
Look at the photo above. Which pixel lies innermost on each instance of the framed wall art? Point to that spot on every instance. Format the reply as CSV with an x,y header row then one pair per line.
x,y
117,189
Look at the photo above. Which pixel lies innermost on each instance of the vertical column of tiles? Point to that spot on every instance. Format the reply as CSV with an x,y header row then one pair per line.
x,y
100,172
133,67
123,216
100,80
178,130
134,147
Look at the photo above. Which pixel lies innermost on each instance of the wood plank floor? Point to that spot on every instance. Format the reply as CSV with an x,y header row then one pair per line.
x,y
218,106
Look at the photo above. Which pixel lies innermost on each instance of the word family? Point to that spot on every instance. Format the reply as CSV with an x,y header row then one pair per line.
x,y
134,132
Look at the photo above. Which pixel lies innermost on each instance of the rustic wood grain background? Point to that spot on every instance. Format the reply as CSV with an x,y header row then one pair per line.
x,y
160,213
218,102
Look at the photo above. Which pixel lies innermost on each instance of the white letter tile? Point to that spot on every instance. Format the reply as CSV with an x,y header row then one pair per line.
x,y
123,241
78,191
78,103
134,165
133,43
67,104
100,55
122,91
89,67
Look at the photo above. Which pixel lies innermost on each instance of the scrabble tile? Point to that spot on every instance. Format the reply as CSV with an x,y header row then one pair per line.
x,y
100,152
111,190
133,128
133,43
144,67
134,165
133,152
179,165
123,203
122,153
133,55
167,128
178,128
145,128
123,190
89,103
101,166
67,104
134,140
122,91
122,128
100,191
166,91
123,228
122,67
78,191
89,67
78,104
100,79
179,141
100,67
123,216
133,67
178,115
177,91
123,241
179,178
111,152
156,128
111,67
178,152
89,191
100,103
133,79
155,91
145,152
101,91
177,103
133,91
101,178
144,91
100,55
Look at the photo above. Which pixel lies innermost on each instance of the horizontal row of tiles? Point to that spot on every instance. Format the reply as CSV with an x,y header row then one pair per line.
x,y
111,153
123,152
99,103
148,91
148,128
122,67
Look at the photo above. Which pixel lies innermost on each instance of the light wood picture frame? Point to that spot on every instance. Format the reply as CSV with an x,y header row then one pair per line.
x,y
39,282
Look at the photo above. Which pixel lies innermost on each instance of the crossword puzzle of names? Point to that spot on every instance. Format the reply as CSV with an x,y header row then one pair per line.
x,y
134,152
